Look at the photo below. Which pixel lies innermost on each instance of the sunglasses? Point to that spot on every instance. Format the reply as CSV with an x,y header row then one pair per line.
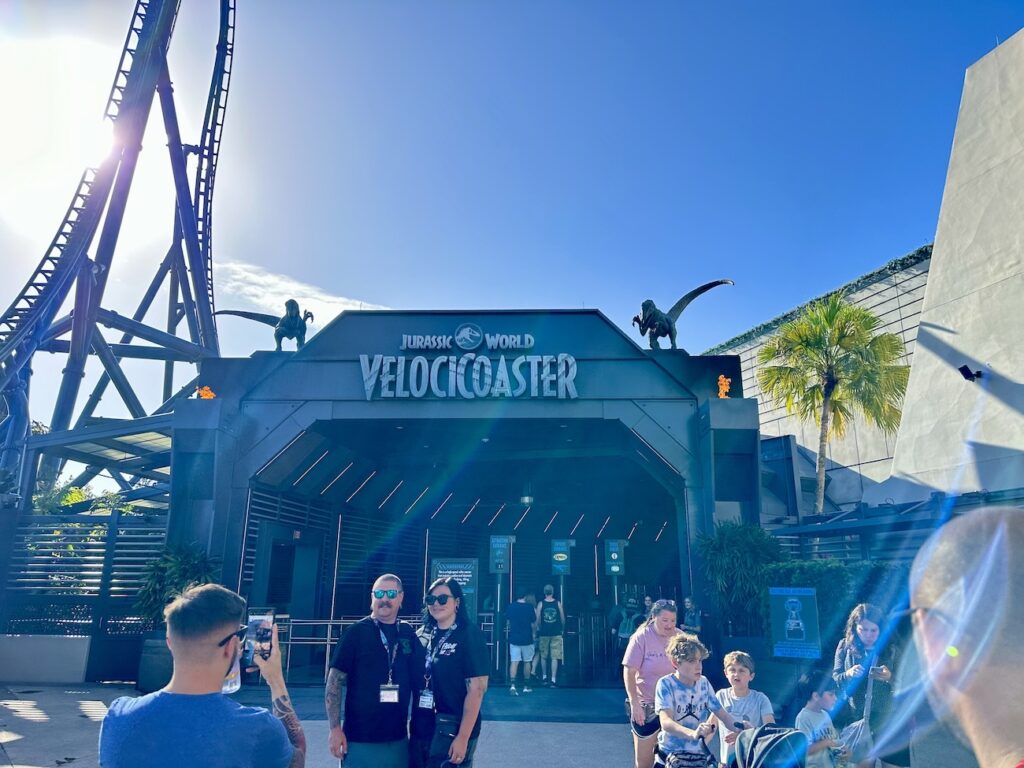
x,y
664,604
391,593
440,599
239,633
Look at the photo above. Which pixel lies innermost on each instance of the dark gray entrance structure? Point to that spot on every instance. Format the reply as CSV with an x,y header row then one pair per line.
x,y
394,438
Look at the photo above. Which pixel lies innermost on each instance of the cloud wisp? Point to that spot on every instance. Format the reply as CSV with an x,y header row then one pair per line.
x,y
246,286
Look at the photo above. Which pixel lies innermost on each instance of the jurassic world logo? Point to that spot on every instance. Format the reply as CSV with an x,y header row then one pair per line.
x,y
472,374
467,337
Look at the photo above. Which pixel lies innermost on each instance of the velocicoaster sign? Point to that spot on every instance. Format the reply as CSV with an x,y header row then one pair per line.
x,y
479,368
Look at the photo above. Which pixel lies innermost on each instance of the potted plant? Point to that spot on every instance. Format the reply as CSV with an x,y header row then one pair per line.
x,y
177,569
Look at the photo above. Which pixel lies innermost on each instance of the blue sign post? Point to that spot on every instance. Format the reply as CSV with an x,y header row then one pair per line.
x,y
561,556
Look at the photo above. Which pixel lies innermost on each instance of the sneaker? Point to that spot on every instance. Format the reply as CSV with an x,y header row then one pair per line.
x,y
527,689
513,691
553,684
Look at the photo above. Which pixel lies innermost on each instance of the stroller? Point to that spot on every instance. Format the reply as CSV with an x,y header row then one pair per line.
x,y
771,746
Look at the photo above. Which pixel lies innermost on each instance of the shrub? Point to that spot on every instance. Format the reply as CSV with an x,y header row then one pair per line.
x,y
169,575
734,561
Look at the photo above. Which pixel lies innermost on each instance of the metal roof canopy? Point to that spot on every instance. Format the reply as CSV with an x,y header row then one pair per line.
x,y
135,448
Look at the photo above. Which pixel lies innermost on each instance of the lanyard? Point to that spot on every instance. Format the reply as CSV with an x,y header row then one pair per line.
x,y
433,651
391,651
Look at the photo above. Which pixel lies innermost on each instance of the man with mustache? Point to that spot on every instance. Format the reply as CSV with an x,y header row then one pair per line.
x,y
374,662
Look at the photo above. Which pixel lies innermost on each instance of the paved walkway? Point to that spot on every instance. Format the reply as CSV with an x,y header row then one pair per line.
x,y
46,726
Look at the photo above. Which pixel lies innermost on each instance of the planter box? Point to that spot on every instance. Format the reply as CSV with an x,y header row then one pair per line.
x,y
39,659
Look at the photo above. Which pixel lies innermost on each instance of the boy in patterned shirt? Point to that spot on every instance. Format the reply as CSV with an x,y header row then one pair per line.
x,y
685,702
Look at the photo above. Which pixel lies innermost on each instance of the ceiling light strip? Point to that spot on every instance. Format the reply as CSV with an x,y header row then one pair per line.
x,y
361,485
388,497
311,467
422,494
525,513
577,524
446,500
337,478
604,526
662,530
495,515
470,510
631,532
550,521
278,454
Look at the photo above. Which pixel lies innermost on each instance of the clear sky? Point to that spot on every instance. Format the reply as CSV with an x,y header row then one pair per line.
x,y
455,154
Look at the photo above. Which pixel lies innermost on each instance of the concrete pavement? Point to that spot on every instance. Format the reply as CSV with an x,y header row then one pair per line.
x,y
46,726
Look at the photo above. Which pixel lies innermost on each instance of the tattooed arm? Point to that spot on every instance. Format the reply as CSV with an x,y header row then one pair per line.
x,y
284,712
332,699
270,668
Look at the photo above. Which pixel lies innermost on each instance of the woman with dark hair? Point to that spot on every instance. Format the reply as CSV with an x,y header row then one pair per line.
x,y
864,669
455,665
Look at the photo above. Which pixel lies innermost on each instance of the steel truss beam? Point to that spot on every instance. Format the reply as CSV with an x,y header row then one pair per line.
x,y
68,273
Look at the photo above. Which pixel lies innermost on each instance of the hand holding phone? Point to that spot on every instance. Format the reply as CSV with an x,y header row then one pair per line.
x,y
259,638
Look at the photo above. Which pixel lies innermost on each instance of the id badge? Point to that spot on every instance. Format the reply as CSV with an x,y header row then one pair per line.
x,y
389,694
427,700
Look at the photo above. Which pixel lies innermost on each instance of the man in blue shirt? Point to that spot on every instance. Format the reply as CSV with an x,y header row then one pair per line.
x,y
190,722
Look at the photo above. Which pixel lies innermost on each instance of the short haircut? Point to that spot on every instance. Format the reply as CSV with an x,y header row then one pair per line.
x,y
200,610
389,577
740,658
971,570
817,682
686,647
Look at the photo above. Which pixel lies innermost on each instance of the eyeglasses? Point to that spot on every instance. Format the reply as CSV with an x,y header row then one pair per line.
x,y
391,593
441,599
239,633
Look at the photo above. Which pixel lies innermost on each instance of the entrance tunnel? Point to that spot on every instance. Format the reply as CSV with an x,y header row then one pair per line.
x,y
312,473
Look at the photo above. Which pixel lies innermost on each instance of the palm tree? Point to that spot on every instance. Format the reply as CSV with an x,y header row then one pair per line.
x,y
830,363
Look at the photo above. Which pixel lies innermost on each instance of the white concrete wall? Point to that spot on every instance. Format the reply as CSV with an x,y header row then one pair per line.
x,y
958,436
43,658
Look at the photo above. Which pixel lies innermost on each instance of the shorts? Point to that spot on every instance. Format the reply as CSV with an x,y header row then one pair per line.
x,y
551,646
648,729
521,652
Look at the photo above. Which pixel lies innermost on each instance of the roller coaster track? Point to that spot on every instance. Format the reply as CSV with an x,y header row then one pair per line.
x,y
34,308
213,126
67,273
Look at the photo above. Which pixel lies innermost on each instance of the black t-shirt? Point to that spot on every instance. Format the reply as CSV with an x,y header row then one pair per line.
x,y
462,656
520,620
550,619
361,655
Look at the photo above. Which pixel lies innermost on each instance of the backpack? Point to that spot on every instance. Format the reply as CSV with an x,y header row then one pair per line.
x,y
628,624
771,746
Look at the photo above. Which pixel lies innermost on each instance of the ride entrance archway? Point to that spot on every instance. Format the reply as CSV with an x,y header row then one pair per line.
x,y
394,440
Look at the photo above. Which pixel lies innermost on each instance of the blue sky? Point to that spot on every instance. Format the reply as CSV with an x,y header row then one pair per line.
x,y
524,154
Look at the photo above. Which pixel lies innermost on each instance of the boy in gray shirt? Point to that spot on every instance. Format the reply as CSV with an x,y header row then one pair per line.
x,y
742,701
814,721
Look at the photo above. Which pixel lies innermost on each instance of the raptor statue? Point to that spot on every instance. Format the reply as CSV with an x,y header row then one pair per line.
x,y
656,324
291,326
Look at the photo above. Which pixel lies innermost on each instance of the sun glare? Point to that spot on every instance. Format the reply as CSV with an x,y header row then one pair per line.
x,y
52,92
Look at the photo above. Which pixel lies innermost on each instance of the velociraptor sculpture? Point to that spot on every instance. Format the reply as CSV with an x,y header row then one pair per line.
x,y
291,326
656,324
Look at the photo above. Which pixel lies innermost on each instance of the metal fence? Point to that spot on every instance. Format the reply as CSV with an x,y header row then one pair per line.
x,y
307,646
80,575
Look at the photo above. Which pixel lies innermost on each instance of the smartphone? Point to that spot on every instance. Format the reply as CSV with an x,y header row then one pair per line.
x,y
259,637
876,670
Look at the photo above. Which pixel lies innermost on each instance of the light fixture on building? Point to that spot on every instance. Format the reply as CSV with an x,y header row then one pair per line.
x,y
527,497
968,374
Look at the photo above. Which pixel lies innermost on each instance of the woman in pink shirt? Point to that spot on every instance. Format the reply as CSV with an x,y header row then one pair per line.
x,y
644,663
